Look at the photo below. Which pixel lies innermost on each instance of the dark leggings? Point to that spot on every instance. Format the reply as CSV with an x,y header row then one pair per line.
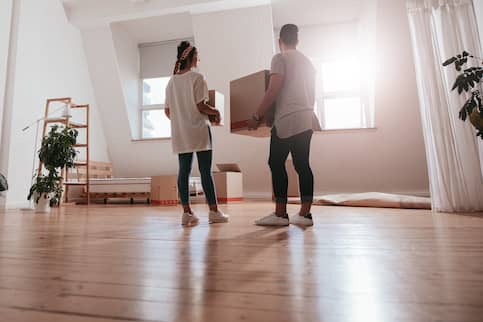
x,y
204,165
299,146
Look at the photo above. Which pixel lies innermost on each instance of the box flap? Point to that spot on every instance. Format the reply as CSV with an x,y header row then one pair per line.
x,y
228,167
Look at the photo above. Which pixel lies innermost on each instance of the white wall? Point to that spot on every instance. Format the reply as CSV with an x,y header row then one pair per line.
x,y
130,158
5,22
479,17
6,11
233,44
390,159
238,42
139,159
128,62
49,62
95,13
157,60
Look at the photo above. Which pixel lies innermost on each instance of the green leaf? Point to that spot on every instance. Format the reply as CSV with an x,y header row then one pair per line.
x,y
455,85
462,114
449,61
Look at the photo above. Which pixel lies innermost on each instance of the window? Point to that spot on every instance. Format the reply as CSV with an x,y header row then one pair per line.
x,y
339,99
154,123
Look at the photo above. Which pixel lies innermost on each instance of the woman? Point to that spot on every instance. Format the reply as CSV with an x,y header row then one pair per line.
x,y
186,96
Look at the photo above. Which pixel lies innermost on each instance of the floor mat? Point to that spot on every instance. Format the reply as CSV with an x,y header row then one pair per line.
x,y
370,199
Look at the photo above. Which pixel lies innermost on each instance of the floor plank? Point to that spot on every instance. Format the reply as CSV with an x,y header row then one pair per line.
x,y
136,263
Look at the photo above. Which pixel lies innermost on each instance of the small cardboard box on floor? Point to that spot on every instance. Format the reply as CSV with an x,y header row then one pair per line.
x,y
228,182
246,94
164,190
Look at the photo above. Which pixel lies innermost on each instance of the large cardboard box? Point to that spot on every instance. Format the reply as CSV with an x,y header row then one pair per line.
x,y
246,94
164,190
217,100
228,183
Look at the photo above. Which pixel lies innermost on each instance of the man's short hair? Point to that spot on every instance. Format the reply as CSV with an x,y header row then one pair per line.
x,y
289,34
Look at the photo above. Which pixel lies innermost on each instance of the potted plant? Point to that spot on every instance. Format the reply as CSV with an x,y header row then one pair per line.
x,y
46,191
468,81
3,183
56,153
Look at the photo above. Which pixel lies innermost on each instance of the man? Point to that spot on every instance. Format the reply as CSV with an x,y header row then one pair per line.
x,y
292,87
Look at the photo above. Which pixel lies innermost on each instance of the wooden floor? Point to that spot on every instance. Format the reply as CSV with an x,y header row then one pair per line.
x,y
136,263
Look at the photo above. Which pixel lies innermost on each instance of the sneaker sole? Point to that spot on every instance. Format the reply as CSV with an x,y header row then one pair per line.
x,y
191,223
218,221
272,225
302,225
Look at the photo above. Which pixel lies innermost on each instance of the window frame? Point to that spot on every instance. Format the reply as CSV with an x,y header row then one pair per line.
x,y
321,96
149,107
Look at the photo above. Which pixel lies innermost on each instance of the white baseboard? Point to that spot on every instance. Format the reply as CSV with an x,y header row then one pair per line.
x,y
21,206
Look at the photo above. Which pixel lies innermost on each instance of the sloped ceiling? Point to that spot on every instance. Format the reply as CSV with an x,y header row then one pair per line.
x,y
315,12
95,13
154,29
301,12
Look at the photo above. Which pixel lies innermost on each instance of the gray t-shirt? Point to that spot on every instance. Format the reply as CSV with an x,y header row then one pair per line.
x,y
295,103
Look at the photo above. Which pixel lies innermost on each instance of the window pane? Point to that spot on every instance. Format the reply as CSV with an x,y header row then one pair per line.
x,y
154,90
343,113
156,124
340,75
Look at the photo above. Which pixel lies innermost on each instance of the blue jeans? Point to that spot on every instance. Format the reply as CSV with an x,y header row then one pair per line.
x,y
204,165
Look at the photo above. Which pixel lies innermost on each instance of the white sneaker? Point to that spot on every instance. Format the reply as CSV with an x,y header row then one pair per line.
x,y
302,220
189,219
272,220
217,217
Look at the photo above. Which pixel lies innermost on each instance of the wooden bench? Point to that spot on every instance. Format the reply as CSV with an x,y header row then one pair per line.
x,y
101,172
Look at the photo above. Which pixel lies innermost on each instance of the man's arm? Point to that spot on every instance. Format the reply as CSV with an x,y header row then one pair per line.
x,y
274,87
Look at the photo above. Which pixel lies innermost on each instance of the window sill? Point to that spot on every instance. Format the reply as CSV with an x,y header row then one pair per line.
x,y
151,140
322,132
356,130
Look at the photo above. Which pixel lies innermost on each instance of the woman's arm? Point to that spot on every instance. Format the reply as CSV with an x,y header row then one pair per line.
x,y
166,111
213,113
207,109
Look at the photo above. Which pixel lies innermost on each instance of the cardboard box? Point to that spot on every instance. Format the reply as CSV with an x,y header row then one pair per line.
x,y
164,190
228,183
217,100
246,94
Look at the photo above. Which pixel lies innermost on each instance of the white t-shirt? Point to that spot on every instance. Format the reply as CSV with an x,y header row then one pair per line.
x,y
190,130
294,111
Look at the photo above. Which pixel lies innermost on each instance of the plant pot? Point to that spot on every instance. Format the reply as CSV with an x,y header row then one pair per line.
x,y
43,206
476,119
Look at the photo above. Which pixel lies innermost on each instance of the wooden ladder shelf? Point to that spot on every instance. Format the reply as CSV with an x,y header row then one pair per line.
x,y
67,122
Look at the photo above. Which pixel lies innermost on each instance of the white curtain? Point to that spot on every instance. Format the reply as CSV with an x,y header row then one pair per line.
x,y
439,30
